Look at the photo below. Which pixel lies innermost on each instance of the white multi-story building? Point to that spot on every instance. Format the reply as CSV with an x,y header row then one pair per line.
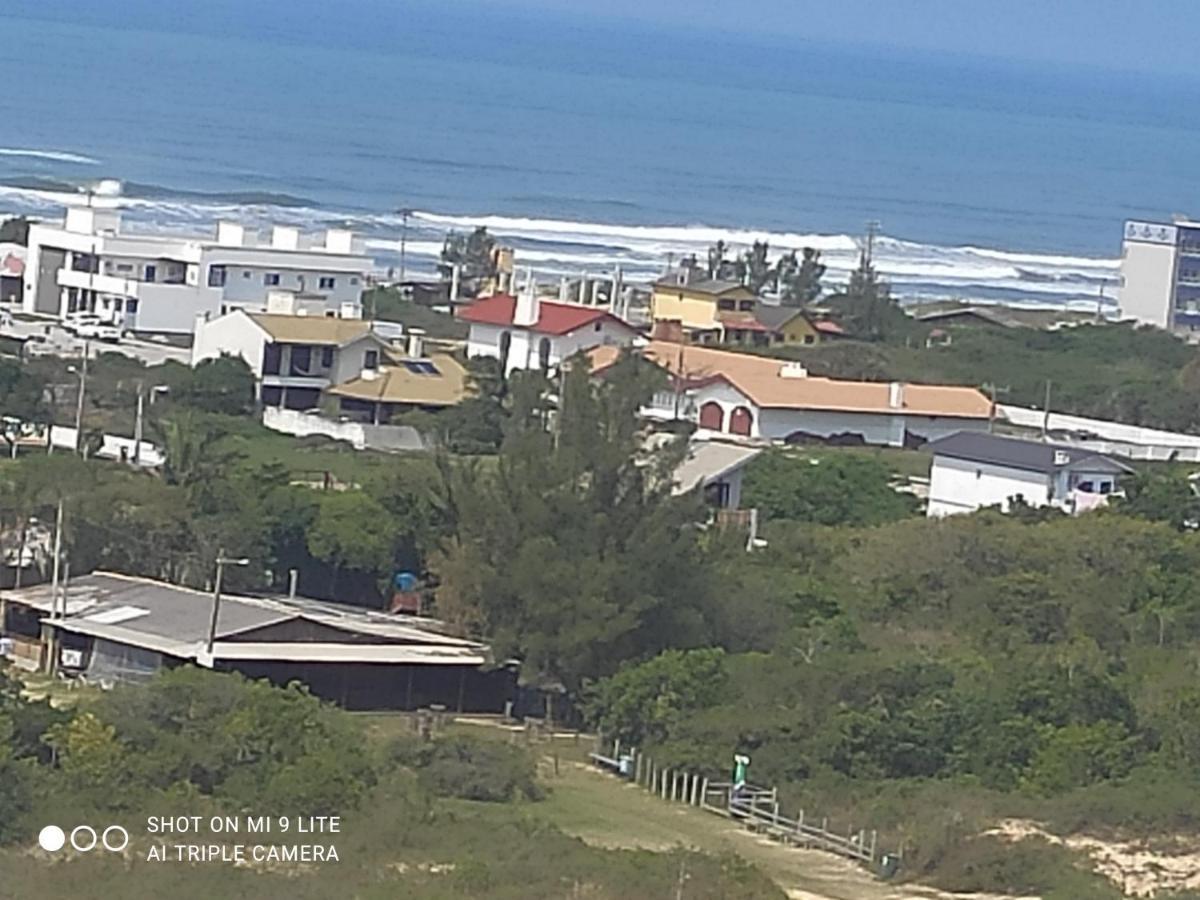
x,y
1160,274
161,282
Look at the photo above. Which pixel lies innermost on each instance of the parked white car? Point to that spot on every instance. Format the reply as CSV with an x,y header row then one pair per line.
x,y
98,331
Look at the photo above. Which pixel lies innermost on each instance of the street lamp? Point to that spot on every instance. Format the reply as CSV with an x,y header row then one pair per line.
x,y
222,562
82,373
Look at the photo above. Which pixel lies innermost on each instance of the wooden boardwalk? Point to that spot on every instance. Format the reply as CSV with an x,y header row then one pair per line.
x,y
755,807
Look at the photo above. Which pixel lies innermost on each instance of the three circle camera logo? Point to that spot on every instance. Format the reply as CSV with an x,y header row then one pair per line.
x,y
84,838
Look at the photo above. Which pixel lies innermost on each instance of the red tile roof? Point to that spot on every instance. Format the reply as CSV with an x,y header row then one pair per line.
x,y
553,318
828,327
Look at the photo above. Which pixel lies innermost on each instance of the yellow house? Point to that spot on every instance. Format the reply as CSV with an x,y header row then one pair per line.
x,y
698,305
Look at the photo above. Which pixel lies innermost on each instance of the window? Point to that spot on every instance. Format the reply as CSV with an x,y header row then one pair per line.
x,y
124,267
746,305
727,305
809,339
271,278
301,359
598,325
327,283
327,357
216,276
371,359
505,346
421,367
246,273
131,305
272,354
544,353
354,280
150,273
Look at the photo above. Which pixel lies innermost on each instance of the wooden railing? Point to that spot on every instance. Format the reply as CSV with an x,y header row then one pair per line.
x,y
756,807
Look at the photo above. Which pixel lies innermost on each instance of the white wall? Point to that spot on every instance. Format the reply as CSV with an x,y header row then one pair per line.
x,y
484,340
960,486
361,436
236,334
1148,282
348,360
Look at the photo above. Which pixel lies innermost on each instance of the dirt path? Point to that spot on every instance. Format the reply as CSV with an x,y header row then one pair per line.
x,y
606,812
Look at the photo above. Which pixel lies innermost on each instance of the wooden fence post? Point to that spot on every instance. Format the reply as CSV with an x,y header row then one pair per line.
x,y
666,775
874,836
704,792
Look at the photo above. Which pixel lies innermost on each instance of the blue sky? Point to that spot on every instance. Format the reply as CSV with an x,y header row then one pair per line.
x,y
1151,35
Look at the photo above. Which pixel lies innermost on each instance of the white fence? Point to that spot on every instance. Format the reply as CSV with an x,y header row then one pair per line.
x,y
114,447
1103,436
361,436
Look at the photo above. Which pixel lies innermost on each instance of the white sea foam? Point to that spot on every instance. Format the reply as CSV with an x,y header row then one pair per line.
x,y
558,246
53,155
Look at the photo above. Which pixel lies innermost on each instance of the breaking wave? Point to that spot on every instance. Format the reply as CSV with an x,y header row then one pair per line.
x,y
51,155
554,247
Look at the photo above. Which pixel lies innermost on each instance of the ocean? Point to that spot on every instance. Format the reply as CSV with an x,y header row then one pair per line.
x,y
588,145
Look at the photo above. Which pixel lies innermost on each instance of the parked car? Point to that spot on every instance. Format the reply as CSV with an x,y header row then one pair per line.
x,y
6,319
74,321
99,331
39,345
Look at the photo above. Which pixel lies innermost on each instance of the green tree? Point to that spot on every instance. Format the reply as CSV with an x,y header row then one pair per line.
x,y
15,230
836,489
473,255
1161,496
22,400
352,530
223,385
754,268
574,554
799,281
643,703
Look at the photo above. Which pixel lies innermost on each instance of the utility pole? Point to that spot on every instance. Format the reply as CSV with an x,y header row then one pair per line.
x,y
79,402
137,425
869,254
1046,413
222,562
405,212
993,390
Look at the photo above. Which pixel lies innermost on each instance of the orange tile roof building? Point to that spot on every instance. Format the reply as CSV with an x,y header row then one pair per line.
x,y
771,399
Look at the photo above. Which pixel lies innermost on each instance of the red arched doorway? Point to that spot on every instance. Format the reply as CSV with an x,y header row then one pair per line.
x,y
712,416
740,421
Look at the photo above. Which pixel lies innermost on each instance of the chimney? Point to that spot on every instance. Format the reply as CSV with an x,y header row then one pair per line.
x,y
793,370
293,577
526,313
455,277
416,343
564,287
895,395
339,240
668,330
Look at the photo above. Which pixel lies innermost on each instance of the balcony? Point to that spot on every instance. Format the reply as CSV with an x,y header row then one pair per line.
x,y
102,284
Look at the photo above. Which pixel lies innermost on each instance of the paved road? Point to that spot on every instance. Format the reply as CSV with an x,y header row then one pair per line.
x,y
63,343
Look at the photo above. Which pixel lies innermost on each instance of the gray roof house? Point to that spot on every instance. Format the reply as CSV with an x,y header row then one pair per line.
x,y
971,470
118,628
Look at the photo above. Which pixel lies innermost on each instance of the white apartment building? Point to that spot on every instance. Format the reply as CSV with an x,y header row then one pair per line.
x,y
1160,274
159,283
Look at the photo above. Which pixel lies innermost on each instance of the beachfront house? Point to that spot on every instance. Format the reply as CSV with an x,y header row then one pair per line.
x,y
293,358
755,397
527,332
972,470
160,282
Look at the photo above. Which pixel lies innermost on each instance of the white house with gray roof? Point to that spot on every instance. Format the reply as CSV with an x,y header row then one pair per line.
x,y
971,470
